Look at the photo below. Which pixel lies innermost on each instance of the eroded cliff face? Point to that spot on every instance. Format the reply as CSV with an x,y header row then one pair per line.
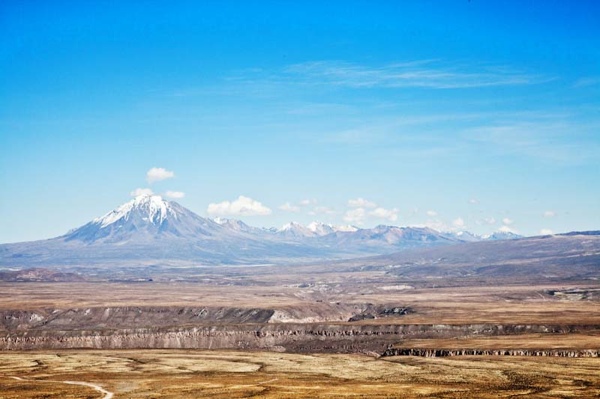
x,y
231,328
100,318
169,316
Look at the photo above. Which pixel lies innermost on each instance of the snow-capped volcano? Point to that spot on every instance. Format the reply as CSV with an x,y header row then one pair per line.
x,y
143,216
148,230
152,208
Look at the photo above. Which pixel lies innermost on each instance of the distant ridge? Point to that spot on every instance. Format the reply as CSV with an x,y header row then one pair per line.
x,y
149,230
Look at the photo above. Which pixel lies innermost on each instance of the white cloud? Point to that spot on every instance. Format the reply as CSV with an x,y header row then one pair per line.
x,y
307,202
549,214
323,210
432,213
355,216
587,81
243,206
287,207
388,214
546,232
361,203
490,220
423,73
507,221
158,174
473,201
561,140
459,223
175,194
141,191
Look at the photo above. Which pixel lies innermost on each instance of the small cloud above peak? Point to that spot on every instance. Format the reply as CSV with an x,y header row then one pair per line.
x,y
507,221
157,174
141,192
355,216
549,214
361,203
175,194
324,210
243,206
288,207
382,213
307,202
458,223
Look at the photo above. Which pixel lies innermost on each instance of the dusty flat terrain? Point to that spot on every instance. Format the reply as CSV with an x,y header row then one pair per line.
x,y
306,330
232,374
325,299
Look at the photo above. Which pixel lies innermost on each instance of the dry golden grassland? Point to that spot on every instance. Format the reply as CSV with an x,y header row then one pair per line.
x,y
232,374
326,298
516,304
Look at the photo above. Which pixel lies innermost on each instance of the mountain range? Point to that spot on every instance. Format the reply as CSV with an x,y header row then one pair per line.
x,y
151,231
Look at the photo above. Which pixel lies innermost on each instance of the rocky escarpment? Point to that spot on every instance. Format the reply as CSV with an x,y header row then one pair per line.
x,y
99,318
334,338
319,329
491,352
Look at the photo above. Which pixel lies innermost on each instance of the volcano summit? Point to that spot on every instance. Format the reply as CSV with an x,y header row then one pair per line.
x,y
149,230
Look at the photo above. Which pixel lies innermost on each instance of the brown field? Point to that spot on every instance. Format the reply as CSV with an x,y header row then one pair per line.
x,y
232,374
515,304
307,296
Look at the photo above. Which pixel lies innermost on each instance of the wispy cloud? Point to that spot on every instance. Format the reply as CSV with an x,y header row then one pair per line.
x,y
431,74
175,194
355,216
288,207
361,203
587,81
563,141
458,223
322,210
307,202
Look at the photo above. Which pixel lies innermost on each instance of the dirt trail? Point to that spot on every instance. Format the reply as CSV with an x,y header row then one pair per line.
x,y
107,394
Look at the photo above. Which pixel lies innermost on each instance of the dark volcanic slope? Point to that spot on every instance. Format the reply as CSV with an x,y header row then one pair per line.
x,y
568,256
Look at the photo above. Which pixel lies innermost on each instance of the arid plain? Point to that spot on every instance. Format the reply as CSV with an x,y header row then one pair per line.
x,y
365,328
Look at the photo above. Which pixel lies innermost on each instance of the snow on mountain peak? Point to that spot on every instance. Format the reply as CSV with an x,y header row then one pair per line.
x,y
221,221
314,229
153,209
320,228
292,226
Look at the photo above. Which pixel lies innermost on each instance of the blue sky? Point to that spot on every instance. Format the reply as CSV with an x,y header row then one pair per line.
x,y
476,115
